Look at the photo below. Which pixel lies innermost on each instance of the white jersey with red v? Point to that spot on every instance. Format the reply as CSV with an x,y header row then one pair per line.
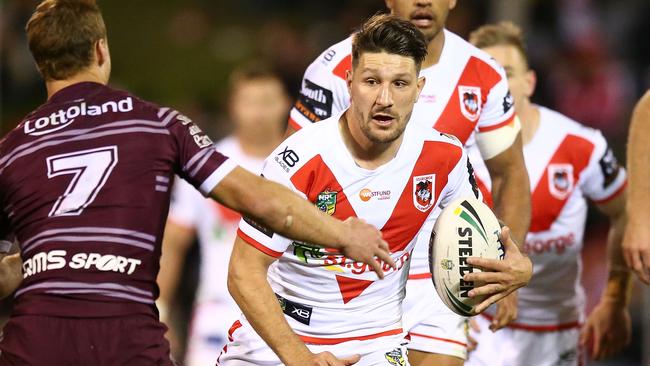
x,y
402,198
466,95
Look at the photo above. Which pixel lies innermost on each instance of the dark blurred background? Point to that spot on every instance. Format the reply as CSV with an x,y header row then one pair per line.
x,y
592,58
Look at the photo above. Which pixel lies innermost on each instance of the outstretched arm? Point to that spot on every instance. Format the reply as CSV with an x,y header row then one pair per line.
x,y
286,213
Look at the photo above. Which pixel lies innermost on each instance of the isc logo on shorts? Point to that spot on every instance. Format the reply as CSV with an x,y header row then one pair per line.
x,y
56,259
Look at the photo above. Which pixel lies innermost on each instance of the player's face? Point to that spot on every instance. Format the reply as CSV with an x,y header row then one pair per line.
x,y
259,107
521,80
429,16
383,89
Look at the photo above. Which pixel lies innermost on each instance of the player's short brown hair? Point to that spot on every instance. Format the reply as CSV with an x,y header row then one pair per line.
x,y
500,34
62,34
390,34
252,71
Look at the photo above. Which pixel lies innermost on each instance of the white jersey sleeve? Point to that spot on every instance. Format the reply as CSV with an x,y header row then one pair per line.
x,y
324,92
603,178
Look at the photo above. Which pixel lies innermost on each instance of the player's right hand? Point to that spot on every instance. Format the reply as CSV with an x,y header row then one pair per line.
x,y
364,243
328,359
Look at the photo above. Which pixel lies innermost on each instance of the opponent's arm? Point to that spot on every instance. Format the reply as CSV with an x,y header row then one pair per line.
x,y
291,216
248,285
636,245
608,328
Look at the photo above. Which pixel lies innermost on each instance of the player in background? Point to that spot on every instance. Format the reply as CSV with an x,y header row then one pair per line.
x,y
467,96
367,161
84,189
568,164
636,246
258,105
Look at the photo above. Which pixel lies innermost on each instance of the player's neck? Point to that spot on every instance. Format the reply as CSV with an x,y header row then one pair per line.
x,y
258,145
366,154
529,117
434,50
53,86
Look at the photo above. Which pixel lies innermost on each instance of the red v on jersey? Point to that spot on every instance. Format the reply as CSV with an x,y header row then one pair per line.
x,y
476,81
406,220
351,287
316,177
573,153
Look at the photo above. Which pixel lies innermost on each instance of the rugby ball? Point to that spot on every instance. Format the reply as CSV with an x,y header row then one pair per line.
x,y
465,228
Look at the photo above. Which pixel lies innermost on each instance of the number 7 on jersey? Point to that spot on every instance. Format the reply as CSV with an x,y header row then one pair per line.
x,y
90,170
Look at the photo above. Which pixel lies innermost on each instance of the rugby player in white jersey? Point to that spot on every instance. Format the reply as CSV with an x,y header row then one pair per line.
x,y
568,164
368,161
466,96
258,105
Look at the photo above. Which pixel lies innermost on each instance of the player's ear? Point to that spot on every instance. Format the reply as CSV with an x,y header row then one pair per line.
x,y
348,79
452,4
421,81
389,5
101,51
531,82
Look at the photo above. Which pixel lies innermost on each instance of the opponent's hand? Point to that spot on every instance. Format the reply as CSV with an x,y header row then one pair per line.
x,y
362,242
501,277
506,312
607,330
328,359
636,249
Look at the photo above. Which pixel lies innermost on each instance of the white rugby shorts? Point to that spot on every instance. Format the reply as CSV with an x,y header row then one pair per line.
x,y
431,326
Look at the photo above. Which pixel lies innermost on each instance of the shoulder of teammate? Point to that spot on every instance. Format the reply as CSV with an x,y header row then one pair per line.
x,y
603,177
461,180
323,91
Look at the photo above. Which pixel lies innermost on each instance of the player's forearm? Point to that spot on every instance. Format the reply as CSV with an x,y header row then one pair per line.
x,y
619,279
11,274
250,289
511,193
280,209
638,155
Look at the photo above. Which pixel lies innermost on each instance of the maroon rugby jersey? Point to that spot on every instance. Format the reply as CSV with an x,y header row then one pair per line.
x,y
85,185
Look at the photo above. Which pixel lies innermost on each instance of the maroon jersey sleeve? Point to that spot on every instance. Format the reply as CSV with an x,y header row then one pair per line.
x,y
199,162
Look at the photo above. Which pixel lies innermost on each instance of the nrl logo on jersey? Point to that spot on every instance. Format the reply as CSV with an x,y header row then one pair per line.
x,y
423,190
470,101
326,202
560,180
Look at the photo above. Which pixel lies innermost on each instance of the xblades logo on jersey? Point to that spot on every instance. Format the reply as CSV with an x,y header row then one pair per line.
x,y
287,159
